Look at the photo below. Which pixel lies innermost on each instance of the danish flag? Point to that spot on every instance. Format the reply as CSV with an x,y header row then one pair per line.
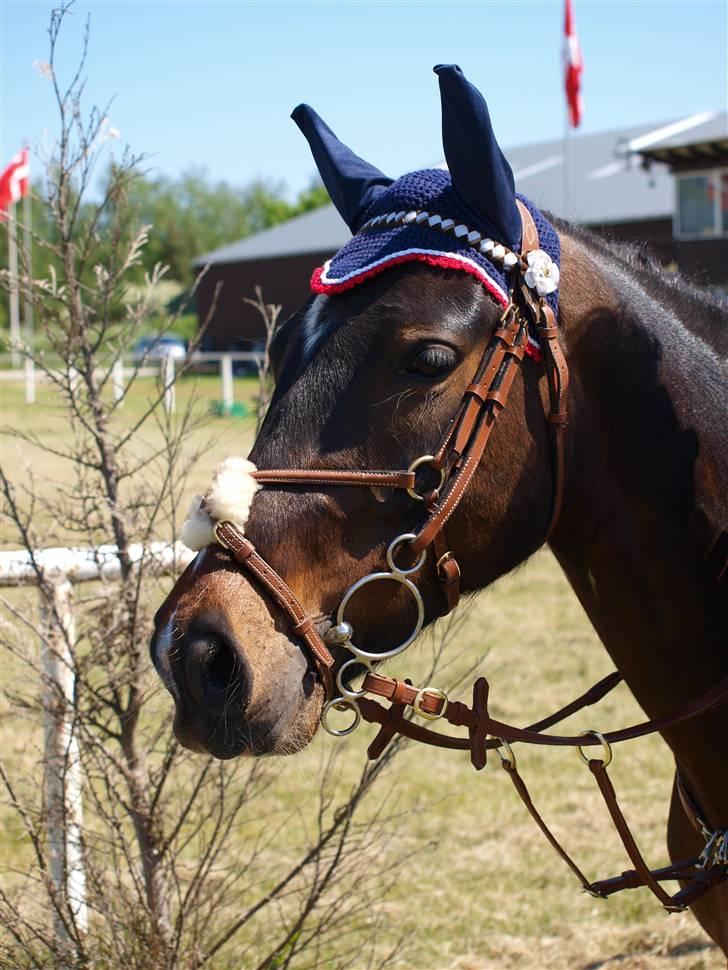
x,y
15,181
573,66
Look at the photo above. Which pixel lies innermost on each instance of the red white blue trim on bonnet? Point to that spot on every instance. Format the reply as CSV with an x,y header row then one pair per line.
x,y
323,282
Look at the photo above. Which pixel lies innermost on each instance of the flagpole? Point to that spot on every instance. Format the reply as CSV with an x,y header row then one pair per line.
x,y
28,267
14,295
28,301
565,187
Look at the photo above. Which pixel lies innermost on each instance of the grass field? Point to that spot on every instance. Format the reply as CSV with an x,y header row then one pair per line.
x,y
480,888
45,419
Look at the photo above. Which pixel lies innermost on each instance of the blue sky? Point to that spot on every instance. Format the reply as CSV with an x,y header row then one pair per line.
x,y
211,84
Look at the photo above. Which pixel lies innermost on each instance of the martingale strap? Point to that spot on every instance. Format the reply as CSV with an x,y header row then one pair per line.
x,y
700,878
434,705
485,733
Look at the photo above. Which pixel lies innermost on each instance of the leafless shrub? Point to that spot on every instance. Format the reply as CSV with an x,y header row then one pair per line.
x,y
162,888
269,314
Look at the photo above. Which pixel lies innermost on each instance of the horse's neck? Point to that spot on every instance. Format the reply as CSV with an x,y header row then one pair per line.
x,y
644,531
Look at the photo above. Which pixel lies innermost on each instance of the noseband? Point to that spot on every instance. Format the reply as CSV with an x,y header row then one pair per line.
x,y
455,462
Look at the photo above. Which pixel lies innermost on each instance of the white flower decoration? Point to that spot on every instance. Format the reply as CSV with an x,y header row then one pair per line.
x,y
542,274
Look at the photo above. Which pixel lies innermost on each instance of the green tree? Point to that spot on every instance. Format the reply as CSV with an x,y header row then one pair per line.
x,y
192,215
188,216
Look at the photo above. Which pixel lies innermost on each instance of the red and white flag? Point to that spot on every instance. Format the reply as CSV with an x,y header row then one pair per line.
x,y
573,66
15,181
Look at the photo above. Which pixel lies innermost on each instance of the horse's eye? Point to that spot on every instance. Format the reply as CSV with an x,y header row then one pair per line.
x,y
432,362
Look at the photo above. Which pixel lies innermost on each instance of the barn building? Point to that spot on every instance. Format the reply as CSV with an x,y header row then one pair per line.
x,y
664,185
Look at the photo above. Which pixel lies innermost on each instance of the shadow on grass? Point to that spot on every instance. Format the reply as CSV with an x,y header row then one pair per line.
x,y
678,950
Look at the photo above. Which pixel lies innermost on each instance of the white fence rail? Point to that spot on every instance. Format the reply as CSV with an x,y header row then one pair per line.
x,y
165,368
62,568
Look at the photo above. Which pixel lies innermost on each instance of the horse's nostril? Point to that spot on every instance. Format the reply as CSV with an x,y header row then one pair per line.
x,y
214,674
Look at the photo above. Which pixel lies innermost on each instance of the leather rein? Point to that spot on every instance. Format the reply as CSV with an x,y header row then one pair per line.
x,y
455,462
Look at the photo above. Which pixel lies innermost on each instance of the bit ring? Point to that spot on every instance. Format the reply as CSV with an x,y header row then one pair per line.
x,y
408,584
346,692
340,704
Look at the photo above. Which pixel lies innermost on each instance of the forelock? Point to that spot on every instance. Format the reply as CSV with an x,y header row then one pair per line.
x,y
314,329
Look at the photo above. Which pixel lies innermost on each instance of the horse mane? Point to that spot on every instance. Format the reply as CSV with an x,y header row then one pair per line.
x,y
702,309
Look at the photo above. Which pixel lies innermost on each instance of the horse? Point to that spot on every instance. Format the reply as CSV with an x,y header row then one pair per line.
x,y
633,499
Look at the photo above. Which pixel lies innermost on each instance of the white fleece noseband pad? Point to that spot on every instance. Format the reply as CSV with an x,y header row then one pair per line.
x,y
227,500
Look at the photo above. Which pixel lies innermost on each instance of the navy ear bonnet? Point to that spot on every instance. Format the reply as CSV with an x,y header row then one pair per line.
x,y
465,218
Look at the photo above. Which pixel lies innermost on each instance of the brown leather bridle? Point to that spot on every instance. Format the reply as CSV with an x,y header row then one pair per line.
x,y
455,461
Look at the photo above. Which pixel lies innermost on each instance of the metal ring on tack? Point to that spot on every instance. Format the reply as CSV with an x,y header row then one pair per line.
x,y
345,691
340,704
424,460
398,578
604,743
511,758
405,537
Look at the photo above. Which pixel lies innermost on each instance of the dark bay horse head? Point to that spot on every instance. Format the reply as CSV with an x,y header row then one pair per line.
x,y
367,376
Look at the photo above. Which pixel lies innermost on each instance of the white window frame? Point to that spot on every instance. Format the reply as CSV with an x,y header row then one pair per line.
x,y
718,231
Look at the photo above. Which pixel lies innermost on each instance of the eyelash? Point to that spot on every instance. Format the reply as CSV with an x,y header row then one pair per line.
x,y
438,360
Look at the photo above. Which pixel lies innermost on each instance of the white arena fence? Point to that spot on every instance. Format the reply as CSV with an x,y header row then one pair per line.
x,y
61,569
165,368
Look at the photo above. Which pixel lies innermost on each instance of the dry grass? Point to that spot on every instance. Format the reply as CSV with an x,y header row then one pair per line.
x,y
481,889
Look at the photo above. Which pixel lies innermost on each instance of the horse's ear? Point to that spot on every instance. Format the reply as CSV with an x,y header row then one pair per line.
x,y
481,176
351,182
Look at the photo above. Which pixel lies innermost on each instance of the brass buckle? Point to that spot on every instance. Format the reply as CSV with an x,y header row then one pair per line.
x,y
417,703
445,557
424,460
509,314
